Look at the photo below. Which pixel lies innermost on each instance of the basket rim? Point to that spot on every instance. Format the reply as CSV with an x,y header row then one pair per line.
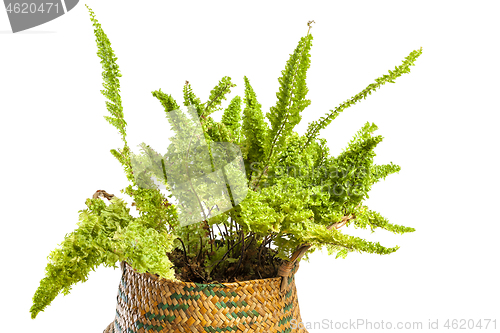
x,y
196,284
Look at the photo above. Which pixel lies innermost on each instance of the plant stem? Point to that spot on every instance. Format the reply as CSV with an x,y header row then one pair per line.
x,y
224,256
272,146
185,256
241,257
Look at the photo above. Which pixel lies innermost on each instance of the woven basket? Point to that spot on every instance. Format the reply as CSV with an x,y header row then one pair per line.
x,y
146,303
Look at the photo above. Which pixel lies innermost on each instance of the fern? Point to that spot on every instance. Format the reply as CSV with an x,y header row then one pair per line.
x,y
291,97
315,126
297,192
255,130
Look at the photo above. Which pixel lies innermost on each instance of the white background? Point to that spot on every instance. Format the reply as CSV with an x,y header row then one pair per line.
x,y
439,123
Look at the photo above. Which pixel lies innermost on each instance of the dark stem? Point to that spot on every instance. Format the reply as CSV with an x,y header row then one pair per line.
x,y
274,267
221,233
224,256
212,239
201,248
241,258
260,250
251,241
185,256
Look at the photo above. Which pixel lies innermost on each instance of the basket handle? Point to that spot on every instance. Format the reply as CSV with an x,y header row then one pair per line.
x,y
285,270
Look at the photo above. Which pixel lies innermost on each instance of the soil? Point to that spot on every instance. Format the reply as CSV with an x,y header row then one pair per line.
x,y
250,268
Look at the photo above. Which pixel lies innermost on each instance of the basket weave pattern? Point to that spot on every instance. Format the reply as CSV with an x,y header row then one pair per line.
x,y
147,303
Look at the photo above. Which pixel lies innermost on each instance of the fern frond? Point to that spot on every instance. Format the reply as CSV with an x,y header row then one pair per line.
x,y
369,218
191,99
255,129
217,95
231,117
82,250
110,75
291,96
315,126
381,171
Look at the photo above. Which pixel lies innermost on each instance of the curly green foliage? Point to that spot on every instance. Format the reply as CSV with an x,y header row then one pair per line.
x,y
319,152
289,208
82,250
292,161
145,248
290,201
191,99
255,130
284,210
368,218
381,171
315,126
280,210
336,241
105,235
229,128
307,190
110,76
299,189
94,243
167,101
350,176
218,131
149,162
217,95
214,131
153,209
232,119
291,96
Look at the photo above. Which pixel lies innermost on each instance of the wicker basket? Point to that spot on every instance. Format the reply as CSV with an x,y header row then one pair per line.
x,y
146,303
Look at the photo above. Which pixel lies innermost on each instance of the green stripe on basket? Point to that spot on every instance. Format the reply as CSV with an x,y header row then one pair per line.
x,y
185,297
288,307
231,315
195,297
123,296
139,325
231,304
209,292
202,286
118,329
173,307
240,314
158,317
124,284
224,329
286,330
285,320
227,328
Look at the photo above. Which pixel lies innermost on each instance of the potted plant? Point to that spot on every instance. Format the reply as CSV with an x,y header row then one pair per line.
x,y
266,195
